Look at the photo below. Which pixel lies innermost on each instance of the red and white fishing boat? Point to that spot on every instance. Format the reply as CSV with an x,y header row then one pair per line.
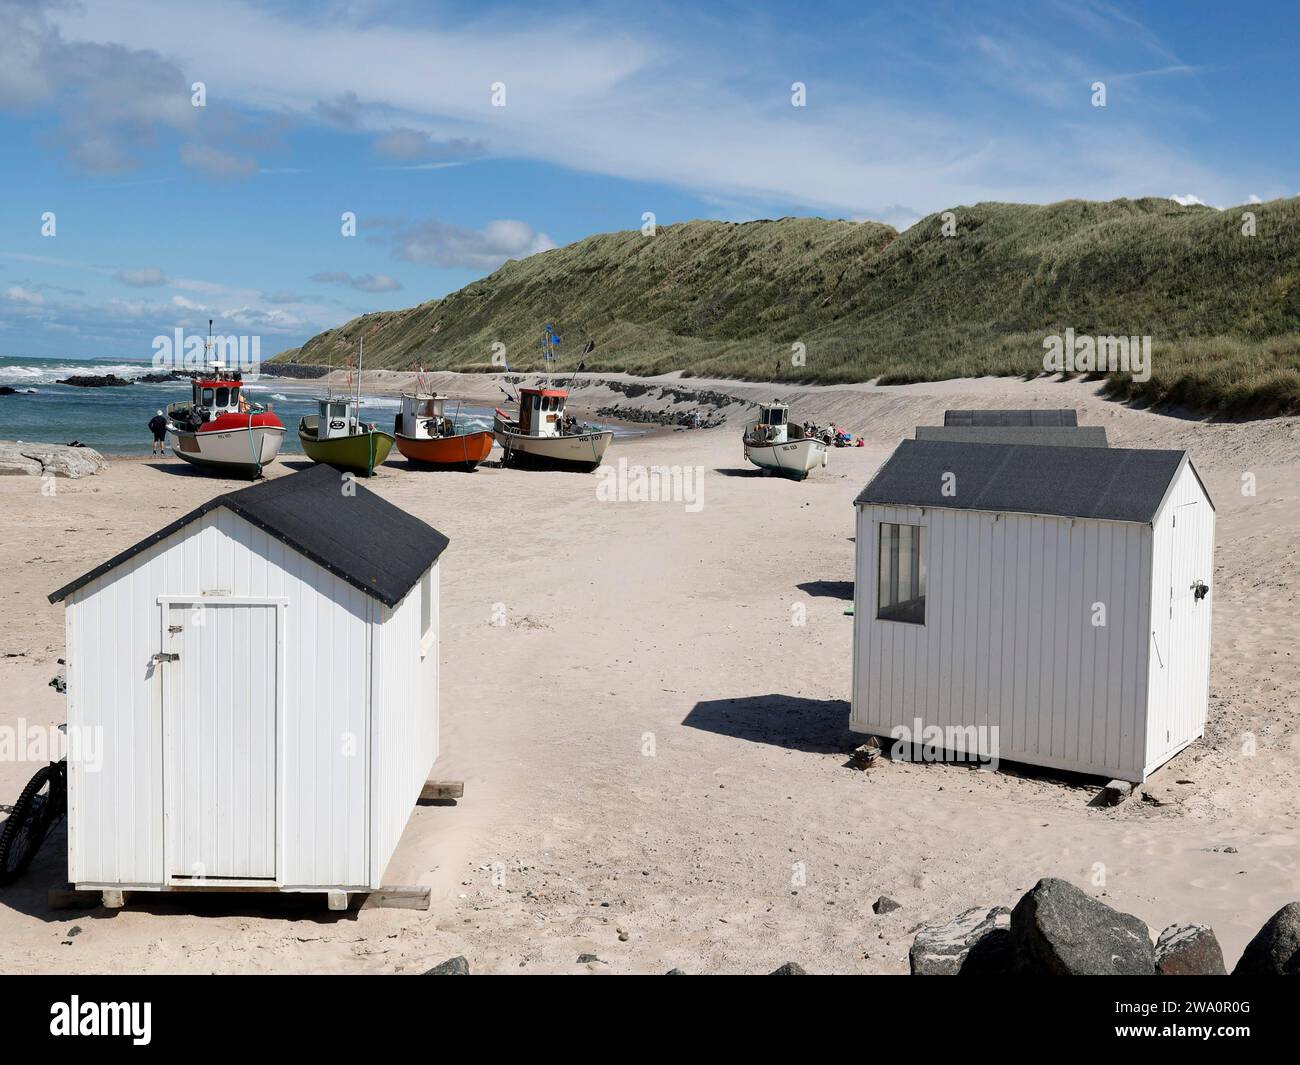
x,y
221,429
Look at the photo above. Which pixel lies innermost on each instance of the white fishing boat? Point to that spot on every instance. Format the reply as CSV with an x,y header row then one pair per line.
x,y
544,436
221,429
772,444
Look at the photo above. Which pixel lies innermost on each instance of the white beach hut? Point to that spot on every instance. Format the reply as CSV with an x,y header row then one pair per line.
x,y
262,676
1049,604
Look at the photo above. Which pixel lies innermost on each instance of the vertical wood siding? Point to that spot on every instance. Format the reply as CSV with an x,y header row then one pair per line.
x,y
1179,676
1008,639
404,738
114,626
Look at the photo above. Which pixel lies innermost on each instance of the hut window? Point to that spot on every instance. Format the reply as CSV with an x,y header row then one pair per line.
x,y
902,573
426,607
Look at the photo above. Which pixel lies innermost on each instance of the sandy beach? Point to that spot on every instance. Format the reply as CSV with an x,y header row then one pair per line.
x,y
654,755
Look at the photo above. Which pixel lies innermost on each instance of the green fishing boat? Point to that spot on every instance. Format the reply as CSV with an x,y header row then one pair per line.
x,y
346,442
338,437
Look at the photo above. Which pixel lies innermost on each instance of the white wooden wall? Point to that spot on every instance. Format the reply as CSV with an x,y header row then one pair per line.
x,y
404,697
1008,638
1179,668
113,627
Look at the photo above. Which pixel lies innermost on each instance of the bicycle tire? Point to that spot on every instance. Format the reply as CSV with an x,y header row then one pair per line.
x,y
28,823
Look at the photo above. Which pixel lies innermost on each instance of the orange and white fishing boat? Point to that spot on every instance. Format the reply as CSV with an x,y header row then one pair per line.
x,y
428,438
221,429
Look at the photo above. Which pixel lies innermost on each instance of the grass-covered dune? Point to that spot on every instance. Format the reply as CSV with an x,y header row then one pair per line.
x,y
864,301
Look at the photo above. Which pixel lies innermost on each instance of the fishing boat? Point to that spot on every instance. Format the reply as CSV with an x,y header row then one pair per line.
x,y
543,436
772,444
338,437
220,429
429,439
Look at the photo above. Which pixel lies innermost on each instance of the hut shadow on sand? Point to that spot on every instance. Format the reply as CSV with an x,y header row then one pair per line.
x,y
817,726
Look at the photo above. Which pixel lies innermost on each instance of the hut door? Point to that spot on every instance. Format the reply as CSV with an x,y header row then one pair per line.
x,y
219,728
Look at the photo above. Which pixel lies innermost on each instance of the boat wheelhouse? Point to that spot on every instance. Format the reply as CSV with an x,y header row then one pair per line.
x,y
771,445
338,437
220,428
544,435
427,437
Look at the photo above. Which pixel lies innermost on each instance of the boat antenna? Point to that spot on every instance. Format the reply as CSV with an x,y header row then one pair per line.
x,y
361,354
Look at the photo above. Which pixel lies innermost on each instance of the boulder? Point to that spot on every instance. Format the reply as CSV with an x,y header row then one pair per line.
x,y
974,943
58,460
1275,950
457,966
1057,930
108,380
885,904
1189,950
790,968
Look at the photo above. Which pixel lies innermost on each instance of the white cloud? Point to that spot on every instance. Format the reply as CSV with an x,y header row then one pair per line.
x,y
23,295
361,282
145,277
436,243
215,162
1189,201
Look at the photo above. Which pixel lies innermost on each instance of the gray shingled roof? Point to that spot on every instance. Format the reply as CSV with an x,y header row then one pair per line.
x,y
361,538
1063,416
1118,484
1056,436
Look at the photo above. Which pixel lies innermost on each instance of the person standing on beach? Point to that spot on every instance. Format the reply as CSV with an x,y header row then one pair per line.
x,y
158,426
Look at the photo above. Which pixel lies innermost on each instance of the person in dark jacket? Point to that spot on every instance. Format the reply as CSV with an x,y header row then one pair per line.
x,y
158,426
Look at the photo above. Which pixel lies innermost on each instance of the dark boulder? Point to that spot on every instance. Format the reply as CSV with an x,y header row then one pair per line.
x,y
885,904
1189,950
790,968
457,966
974,943
95,381
1057,930
1275,950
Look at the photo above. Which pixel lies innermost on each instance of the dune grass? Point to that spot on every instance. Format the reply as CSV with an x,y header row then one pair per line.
x,y
810,300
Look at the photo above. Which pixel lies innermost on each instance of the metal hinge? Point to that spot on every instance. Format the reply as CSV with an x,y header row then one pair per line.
x,y
166,656
175,628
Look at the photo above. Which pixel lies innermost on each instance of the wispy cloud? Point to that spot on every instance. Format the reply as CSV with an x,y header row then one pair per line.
x,y
362,283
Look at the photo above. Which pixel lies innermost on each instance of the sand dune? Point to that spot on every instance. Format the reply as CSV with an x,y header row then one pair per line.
x,y
654,754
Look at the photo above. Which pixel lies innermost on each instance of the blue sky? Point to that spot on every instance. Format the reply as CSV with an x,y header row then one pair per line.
x,y
167,214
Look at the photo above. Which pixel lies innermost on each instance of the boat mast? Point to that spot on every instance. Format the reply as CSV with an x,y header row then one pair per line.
x,y
361,354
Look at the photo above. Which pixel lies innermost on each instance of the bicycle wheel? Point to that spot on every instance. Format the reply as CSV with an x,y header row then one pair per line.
x,y
32,816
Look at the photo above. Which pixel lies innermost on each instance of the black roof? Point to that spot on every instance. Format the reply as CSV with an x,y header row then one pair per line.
x,y
357,536
1056,436
1064,416
1118,484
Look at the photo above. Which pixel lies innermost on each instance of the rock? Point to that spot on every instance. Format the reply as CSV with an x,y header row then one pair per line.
x,y
1275,950
885,904
5,390
974,943
790,968
588,959
108,380
866,756
457,966
1057,930
1115,792
57,460
674,972
1189,950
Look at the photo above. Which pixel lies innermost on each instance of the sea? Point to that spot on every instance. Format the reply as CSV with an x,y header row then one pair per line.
x,y
114,419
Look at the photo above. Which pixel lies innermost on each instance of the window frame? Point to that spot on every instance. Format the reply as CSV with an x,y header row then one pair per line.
x,y
916,550
428,619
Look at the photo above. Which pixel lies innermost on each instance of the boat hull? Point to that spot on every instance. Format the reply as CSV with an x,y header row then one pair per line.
x,y
794,459
581,452
359,453
461,452
237,452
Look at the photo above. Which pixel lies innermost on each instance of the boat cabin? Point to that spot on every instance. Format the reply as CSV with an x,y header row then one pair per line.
x,y
541,411
336,419
218,391
771,424
422,416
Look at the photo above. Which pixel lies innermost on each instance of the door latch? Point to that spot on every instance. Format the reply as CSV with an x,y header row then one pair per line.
x,y
175,628
166,656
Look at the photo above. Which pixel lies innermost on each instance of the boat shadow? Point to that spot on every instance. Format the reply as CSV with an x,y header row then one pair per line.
x,y
739,471
816,726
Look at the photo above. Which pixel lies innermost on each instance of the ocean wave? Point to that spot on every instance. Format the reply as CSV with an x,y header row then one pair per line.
x,y
48,375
